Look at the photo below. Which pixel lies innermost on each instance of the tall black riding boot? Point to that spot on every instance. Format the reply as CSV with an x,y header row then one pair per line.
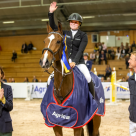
x,y
91,88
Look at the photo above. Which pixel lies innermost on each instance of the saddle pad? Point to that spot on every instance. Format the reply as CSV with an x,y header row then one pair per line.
x,y
61,115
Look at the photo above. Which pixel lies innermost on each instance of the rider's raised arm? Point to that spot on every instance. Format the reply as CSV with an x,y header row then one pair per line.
x,y
52,8
52,22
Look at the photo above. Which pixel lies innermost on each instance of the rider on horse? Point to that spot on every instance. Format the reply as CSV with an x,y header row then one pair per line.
x,y
76,41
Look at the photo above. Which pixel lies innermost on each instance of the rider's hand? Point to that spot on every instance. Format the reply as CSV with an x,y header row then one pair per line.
x,y
1,93
53,7
72,64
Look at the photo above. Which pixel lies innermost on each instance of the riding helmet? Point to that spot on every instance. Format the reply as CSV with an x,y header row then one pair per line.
x,y
85,54
75,16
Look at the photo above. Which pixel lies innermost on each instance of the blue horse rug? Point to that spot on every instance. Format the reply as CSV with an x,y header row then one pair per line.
x,y
78,108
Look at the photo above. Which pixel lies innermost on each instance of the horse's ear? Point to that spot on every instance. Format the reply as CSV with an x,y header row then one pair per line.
x,y
49,29
60,27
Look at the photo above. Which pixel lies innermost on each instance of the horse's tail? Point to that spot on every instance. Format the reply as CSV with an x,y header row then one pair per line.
x,y
90,127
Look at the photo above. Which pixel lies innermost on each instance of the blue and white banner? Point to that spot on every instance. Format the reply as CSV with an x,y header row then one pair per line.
x,y
121,93
37,90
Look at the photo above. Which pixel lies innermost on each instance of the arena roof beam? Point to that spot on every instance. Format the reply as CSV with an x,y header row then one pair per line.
x,y
111,23
23,28
71,3
103,24
14,1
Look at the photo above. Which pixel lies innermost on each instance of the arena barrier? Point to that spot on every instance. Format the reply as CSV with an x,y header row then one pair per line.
x,y
113,88
37,90
28,90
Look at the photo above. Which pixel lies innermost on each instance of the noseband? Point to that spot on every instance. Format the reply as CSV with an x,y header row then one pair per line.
x,y
53,53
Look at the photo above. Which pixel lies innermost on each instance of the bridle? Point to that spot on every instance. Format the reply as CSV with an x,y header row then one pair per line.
x,y
53,53
64,74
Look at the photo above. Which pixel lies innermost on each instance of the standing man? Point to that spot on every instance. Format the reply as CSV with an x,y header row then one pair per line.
x,y
132,88
87,62
6,105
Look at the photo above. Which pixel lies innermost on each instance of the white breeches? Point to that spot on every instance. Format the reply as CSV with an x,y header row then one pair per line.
x,y
132,128
83,68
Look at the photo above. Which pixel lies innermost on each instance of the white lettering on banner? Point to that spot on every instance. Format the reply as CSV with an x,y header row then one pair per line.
x,y
38,89
101,100
60,115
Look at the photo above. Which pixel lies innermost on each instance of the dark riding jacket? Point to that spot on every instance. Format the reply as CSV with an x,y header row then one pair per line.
x,y
75,45
132,107
5,119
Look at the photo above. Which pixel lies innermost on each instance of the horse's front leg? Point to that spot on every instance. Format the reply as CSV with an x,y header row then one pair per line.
x,y
58,131
79,132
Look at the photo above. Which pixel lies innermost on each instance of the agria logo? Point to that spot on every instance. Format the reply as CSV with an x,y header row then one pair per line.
x,y
40,89
60,115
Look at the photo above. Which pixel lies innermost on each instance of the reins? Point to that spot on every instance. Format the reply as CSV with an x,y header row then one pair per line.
x,y
64,74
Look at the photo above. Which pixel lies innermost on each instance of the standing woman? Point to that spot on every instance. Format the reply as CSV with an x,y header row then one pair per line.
x,y
6,105
76,41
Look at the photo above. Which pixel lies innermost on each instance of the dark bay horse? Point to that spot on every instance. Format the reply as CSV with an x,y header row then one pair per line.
x,y
63,83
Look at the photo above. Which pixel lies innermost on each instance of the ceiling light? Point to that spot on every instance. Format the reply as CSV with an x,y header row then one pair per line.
x,y
129,14
44,19
85,17
8,22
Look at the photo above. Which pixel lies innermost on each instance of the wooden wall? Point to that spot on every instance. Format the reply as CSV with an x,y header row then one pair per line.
x,y
15,42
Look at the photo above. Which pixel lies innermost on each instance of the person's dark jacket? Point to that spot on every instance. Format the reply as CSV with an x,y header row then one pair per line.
x,y
14,55
30,47
35,80
4,80
133,45
132,107
76,45
122,51
89,64
24,47
127,50
100,56
5,119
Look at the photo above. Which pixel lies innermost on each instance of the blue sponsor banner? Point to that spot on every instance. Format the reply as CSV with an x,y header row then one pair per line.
x,y
37,89
121,93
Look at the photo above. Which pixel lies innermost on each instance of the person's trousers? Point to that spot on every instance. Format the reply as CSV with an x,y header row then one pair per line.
x,y
83,68
132,128
101,60
6,134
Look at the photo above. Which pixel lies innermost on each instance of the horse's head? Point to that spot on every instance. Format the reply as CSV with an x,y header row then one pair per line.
x,y
53,47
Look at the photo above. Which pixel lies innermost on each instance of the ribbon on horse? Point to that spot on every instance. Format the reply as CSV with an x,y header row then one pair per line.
x,y
64,58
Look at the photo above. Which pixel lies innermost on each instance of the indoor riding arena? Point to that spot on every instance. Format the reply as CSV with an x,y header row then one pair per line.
x,y
42,65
